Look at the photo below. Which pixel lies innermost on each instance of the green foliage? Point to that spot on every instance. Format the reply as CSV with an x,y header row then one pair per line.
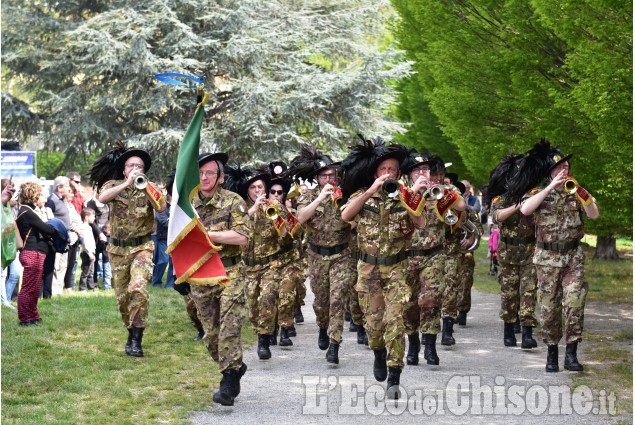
x,y
499,75
86,69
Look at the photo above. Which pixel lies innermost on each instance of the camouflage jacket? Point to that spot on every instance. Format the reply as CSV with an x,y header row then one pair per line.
x,y
131,216
326,227
264,239
558,219
384,227
516,226
433,234
225,210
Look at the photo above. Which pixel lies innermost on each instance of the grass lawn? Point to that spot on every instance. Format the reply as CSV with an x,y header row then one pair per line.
x,y
73,369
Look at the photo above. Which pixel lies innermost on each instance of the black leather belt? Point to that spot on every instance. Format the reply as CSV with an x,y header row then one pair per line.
x,y
266,260
328,251
558,246
131,242
230,261
386,261
516,240
425,252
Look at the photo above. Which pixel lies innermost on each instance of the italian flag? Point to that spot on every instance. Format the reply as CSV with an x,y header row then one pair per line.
x,y
194,256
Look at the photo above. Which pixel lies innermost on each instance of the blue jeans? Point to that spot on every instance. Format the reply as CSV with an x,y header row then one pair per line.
x,y
161,261
14,276
107,272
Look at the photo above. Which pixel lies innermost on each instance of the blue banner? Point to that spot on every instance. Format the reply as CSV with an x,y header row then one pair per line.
x,y
19,164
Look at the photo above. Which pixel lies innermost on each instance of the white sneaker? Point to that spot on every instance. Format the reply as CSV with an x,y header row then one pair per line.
x,y
7,304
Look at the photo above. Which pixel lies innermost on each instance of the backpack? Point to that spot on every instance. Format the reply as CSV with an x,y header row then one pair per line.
x,y
60,240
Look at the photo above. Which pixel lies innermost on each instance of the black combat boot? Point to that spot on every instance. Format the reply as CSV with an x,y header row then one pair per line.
x,y
347,316
446,331
263,347
361,335
509,339
528,340
273,339
414,346
552,359
241,372
323,339
332,353
129,342
298,317
461,318
392,385
352,327
201,331
225,394
430,349
135,347
517,328
292,332
571,358
379,366
285,341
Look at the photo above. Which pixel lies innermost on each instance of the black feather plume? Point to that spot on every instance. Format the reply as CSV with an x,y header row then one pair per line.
x,y
306,163
531,170
234,178
355,167
500,177
103,168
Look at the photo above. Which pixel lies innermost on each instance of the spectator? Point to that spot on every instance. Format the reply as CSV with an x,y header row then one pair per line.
x,y
75,181
88,247
34,233
102,213
470,199
75,234
160,258
492,244
107,272
55,265
14,268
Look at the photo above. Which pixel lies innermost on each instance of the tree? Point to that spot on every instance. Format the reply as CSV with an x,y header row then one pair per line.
x,y
499,75
279,73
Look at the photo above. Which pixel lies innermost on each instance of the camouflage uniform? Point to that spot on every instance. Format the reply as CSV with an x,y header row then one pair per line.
x,y
221,307
562,287
426,276
261,269
466,274
517,275
357,315
291,276
330,275
384,230
131,222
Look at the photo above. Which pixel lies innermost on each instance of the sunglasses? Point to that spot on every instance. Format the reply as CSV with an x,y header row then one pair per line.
x,y
276,192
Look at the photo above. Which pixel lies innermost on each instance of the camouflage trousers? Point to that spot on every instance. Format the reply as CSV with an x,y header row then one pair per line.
x,y
465,282
426,282
130,277
383,294
562,290
291,276
518,293
221,310
331,279
452,265
262,287
190,308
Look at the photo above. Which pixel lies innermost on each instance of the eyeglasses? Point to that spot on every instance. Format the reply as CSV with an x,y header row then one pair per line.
x,y
208,174
139,166
276,192
327,176
421,170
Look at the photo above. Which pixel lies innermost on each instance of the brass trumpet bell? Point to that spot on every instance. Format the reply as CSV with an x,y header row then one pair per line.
x,y
450,218
273,210
140,181
434,193
570,186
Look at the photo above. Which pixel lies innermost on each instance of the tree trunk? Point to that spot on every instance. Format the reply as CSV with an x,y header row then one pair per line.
x,y
606,249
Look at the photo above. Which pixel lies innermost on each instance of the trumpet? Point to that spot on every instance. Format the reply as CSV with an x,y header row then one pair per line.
x,y
450,218
469,229
295,191
140,181
391,187
337,196
434,193
570,185
273,210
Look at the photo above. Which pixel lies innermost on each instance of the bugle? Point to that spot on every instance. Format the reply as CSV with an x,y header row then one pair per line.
x,y
140,181
469,229
273,210
450,218
434,193
570,185
337,196
391,187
